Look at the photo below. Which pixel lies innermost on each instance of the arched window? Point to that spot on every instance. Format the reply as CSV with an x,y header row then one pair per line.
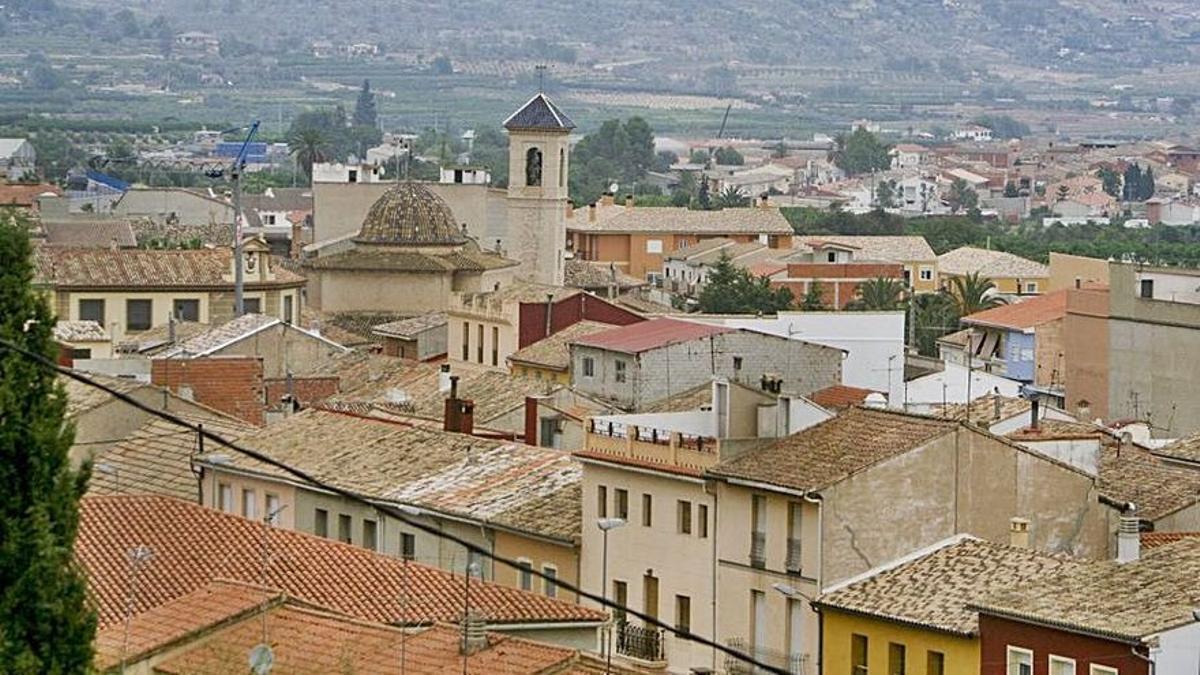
x,y
533,167
562,167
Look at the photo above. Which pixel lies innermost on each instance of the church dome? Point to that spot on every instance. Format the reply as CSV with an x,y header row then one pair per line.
x,y
410,214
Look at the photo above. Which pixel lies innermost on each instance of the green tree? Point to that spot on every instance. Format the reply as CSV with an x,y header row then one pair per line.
x,y
974,293
1111,180
861,152
308,145
1133,183
885,194
814,298
618,152
731,198
734,290
46,625
1010,190
1146,190
879,295
962,197
365,114
1003,126
933,315
728,156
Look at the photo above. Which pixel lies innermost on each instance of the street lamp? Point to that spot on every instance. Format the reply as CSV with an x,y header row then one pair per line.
x,y
606,524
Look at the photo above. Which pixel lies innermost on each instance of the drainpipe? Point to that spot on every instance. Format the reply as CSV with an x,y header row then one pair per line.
x,y
816,498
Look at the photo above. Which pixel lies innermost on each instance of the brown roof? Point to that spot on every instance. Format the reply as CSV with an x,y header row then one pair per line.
x,y
412,327
653,334
688,221
933,589
893,248
1153,539
82,398
983,409
142,268
832,450
597,275
192,545
102,234
508,484
1187,448
402,260
1024,315
1134,474
555,351
989,264
24,194
1126,602
699,396
839,396
80,331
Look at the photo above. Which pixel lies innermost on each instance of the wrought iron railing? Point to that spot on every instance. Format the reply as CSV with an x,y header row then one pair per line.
x,y
642,643
758,549
796,664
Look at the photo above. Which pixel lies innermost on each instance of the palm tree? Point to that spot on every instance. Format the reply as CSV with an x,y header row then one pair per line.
x,y
731,197
933,315
974,293
879,295
309,145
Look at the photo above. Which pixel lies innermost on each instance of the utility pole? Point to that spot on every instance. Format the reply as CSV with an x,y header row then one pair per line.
x,y
235,176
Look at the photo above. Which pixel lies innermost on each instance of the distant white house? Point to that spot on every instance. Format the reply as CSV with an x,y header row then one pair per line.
x,y
973,132
952,385
336,172
17,157
909,156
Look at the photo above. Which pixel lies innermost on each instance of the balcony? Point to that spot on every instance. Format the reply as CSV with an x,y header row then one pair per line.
x,y
646,644
796,664
793,563
758,549
616,435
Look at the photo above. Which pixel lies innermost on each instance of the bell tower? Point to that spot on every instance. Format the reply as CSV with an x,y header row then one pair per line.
x,y
538,162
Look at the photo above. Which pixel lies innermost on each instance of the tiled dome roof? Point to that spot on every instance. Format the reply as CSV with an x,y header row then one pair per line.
x,y
410,214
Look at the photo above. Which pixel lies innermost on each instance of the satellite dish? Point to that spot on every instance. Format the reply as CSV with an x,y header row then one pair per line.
x,y
261,659
613,188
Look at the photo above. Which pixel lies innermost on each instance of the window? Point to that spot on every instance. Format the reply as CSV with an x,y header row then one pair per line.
x,y
647,510
935,663
408,546
620,371
1147,288
589,366
251,306
1031,287
1103,670
321,523
927,275
621,597
1060,665
344,528
621,503
225,497
526,574
370,537
186,310
533,167
268,219
495,346
858,654
249,504
685,517
138,314
81,353
758,531
737,363
479,343
896,656
352,177
831,256
548,585
795,529
683,613
289,312
272,506
562,167
601,501
795,628
466,345
1020,661
654,246
92,310
702,520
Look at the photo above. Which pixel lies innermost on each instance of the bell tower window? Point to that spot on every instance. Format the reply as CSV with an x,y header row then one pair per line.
x,y
533,167
562,167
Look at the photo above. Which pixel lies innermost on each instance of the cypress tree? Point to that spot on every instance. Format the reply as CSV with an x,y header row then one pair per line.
x,y
365,114
1147,187
46,625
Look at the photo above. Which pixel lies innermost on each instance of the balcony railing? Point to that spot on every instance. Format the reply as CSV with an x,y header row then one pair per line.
x,y
796,664
637,642
758,549
793,563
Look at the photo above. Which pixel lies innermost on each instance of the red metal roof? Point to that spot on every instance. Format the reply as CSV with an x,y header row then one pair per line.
x,y
640,337
839,396
1023,315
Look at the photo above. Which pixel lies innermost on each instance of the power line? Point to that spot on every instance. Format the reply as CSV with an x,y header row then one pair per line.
x,y
394,513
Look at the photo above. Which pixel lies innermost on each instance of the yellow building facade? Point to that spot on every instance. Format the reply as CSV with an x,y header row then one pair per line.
x,y
847,638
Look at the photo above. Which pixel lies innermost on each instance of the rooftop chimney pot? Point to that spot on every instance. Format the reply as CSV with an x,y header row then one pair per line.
x,y
1018,533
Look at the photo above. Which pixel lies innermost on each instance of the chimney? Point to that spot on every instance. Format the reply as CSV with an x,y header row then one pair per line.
x,y
459,414
1129,543
763,201
531,420
995,407
295,245
1034,405
1018,533
444,378
592,212
607,199
629,201
474,633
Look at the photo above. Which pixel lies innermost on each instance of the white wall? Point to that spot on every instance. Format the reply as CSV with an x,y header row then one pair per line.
x,y
950,386
1081,453
874,341
1178,650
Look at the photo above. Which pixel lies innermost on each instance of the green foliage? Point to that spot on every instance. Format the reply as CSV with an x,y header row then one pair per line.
x,y
46,625
933,315
1003,126
814,298
1139,185
309,145
733,290
974,293
878,295
491,150
731,198
885,194
617,152
1010,190
365,114
1111,181
861,152
962,197
728,156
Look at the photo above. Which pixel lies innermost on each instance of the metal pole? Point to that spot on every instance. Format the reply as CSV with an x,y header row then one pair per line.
x,y
238,280
604,594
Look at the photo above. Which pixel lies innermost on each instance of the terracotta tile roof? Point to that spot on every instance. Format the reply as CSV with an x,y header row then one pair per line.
x,y
832,450
80,331
158,339
839,396
1154,539
649,220
555,351
934,589
983,409
411,328
1127,602
520,291
369,376
632,300
143,268
82,398
1024,315
94,235
24,194
906,248
653,334
597,276
193,546
399,260
1134,474
219,337
485,480
1187,448
700,248
157,457
696,398
990,264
